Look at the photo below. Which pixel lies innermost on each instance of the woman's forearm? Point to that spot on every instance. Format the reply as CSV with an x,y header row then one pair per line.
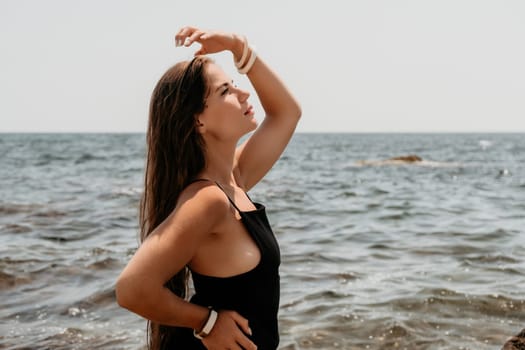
x,y
160,305
276,99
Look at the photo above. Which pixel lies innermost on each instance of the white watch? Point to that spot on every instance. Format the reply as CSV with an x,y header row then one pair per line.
x,y
208,326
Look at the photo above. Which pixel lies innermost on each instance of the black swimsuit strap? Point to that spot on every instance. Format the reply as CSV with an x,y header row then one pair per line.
x,y
231,200
222,189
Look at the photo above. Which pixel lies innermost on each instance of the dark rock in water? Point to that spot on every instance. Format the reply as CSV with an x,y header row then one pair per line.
x,y
515,343
409,159
400,160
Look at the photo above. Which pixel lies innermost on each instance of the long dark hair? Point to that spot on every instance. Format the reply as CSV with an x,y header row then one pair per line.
x,y
175,156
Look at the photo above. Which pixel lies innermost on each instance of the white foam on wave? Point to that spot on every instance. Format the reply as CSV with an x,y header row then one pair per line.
x,y
128,191
484,144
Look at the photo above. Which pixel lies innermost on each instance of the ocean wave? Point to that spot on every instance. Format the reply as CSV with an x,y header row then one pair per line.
x,y
88,157
11,280
14,208
450,303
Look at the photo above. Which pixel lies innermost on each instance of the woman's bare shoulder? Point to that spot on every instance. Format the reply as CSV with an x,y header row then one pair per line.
x,y
204,197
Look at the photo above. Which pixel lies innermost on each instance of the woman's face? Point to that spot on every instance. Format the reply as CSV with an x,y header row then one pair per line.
x,y
227,114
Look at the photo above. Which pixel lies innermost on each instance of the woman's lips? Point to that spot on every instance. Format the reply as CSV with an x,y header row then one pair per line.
x,y
249,110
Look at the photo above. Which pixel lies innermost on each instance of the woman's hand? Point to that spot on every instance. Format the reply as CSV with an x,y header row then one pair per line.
x,y
211,41
229,332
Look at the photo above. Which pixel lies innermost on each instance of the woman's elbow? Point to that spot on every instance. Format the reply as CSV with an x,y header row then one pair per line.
x,y
297,111
124,293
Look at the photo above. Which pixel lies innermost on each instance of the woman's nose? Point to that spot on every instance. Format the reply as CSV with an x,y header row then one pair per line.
x,y
243,94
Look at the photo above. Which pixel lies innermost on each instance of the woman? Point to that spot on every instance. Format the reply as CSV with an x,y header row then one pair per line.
x,y
196,218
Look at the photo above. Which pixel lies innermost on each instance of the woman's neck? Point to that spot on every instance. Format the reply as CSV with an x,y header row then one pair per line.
x,y
220,162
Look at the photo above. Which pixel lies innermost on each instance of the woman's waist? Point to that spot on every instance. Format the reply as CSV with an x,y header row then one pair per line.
x,y
259,299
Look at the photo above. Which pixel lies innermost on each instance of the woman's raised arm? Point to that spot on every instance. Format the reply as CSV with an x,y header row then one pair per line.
x,y
256,156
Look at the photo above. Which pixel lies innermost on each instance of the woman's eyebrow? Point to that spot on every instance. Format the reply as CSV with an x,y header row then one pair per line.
x,y
222,85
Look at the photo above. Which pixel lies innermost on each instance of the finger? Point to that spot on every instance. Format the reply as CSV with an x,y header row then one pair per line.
x,y
201,51
192,38
187,30
179,40
179,37
242,322
183,33
246,343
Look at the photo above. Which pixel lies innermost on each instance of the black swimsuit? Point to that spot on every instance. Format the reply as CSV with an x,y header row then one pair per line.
x,y
253,294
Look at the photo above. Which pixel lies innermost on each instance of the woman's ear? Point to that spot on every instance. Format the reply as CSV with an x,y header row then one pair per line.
x,y
200,126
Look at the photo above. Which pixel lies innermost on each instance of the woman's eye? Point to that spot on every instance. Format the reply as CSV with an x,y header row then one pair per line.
x,y
225,91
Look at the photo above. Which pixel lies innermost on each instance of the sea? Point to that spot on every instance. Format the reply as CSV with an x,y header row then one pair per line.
x,y
376,253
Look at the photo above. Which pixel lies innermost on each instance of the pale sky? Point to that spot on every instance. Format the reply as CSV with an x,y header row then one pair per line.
x,y
355,66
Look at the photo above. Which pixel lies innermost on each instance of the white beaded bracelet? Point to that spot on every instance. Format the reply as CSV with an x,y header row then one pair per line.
x,y
208,326
249,65
244,56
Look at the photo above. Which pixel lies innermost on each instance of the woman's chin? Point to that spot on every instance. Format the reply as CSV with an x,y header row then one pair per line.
x,y
254,121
